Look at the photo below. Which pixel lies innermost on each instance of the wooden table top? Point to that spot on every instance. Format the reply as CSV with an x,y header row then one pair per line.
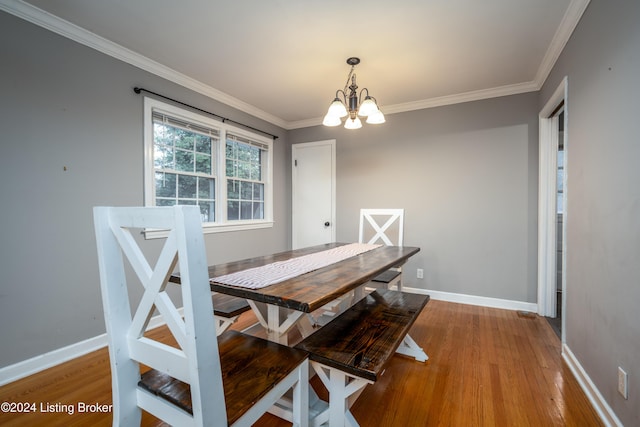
x,y
312,290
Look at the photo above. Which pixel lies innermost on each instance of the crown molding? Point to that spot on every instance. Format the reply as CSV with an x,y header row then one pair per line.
x,y
459,98
69,30
561,37
78,34
440,101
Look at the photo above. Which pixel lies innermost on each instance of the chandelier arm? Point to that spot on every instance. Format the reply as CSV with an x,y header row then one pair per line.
x,y
363,89
344,95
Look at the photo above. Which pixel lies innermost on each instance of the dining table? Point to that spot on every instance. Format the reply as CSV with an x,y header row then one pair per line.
x,y
290,302
281,306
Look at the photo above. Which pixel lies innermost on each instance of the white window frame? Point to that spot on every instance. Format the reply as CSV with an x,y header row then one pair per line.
x,y
221,224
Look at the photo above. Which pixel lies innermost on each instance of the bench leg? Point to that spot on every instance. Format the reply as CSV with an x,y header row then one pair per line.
x,y
343,389
223,323
410,348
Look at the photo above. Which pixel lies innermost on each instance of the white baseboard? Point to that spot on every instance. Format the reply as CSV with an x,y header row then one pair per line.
x,y
601,406
475,300
45,361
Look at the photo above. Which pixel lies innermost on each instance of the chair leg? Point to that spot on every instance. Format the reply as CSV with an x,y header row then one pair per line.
x,y
125,403
301,397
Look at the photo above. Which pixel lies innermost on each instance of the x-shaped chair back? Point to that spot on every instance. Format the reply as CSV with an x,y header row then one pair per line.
x,y
380,221
195,360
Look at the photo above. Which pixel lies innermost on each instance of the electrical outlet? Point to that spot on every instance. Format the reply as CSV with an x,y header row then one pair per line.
x,y
622,383
420,273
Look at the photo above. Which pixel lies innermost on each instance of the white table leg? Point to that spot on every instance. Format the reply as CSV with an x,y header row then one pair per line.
x,y
276,320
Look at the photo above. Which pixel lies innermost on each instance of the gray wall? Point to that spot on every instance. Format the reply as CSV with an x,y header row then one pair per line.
x,y
65,105
602,62
466,176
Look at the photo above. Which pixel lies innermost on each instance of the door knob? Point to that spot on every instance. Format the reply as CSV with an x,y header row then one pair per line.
x,y
326,224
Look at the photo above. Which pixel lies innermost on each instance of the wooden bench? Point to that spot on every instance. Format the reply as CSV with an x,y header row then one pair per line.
x,y
248,373
353,350
227,309
387,277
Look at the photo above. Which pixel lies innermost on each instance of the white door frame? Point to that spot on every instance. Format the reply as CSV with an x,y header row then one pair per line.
x,y
332,143
547,211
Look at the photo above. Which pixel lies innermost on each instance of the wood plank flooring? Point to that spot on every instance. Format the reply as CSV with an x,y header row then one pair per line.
x,y
487,367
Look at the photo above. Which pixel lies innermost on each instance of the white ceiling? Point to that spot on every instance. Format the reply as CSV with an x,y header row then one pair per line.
x,y
283,60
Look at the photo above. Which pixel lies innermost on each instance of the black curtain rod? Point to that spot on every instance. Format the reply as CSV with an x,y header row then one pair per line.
x,y
224,119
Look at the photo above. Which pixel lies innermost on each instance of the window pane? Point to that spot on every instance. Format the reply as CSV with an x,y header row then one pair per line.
x,y
231,150
559,181
161,134
203,144
163,157
165,184
246,210
233,189
206,188
246,190
187,187
203,163
256,172
258,210
258,191
233,211
207,211
244,170
231,168
244,153
185,139
559,206
255,155
184,161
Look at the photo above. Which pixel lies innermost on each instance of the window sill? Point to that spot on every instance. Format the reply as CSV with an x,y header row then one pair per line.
x,y
213,228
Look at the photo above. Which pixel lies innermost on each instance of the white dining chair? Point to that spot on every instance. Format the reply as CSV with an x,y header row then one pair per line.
x,y
377,226
383,226
199,380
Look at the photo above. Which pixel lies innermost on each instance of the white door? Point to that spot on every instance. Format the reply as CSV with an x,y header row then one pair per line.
x,y
313,193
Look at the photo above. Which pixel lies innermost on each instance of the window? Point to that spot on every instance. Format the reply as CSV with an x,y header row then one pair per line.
x,y
183,163
194,160
244,160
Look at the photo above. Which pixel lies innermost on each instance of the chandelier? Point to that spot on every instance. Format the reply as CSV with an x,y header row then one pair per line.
x,y
368,107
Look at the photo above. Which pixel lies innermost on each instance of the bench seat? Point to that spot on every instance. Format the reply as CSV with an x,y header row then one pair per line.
x,y
226,310
361,340
248,373
386,277
228,306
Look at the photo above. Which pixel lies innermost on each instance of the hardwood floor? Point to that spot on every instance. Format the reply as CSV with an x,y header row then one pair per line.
x,y
487,367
